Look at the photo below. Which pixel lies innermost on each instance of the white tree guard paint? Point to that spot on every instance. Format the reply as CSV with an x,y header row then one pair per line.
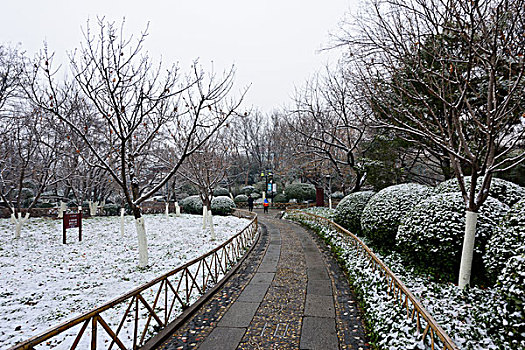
x,y
167,210
62,209
212,229
330,202
177,209
93,206
465,268
19,222
122,211
204,216
140,225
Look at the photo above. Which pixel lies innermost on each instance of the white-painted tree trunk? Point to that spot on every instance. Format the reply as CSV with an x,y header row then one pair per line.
x,y
79,209
93,206
140,225
167,210
330,202
264,195
122,211
212,229
19,222
465,268
204,216
231,196
177,209
62,209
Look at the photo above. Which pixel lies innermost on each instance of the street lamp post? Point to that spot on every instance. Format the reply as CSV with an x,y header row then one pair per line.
x,y
268,188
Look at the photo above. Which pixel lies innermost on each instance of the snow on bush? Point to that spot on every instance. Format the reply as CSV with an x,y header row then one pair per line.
x,y
470,318
222,205
192,205
248,190
337,195
385,210
431,234
321,211
349,210
300,191
44,282
241,198
506,240
280,198
111,209
505,191
512,284
255,195
220,191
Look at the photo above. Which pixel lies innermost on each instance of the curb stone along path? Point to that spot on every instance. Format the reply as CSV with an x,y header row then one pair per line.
x,y
289,294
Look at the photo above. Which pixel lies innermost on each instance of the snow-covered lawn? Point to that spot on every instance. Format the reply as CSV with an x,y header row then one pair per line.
x,y
44,282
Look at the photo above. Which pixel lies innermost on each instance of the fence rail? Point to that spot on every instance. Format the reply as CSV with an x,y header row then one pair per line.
x,y
147,309
426,325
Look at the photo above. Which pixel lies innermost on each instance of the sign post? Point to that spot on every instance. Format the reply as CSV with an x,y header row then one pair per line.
x,y
72,221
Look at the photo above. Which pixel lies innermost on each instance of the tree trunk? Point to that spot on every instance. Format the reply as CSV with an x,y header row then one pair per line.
x,y
167,210
177,209
140,225
468,249
62,209
93,206
122,211
204,216
19,222
212,229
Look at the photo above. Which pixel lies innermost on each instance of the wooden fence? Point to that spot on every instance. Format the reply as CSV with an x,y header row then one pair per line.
x,y
149,308
431,332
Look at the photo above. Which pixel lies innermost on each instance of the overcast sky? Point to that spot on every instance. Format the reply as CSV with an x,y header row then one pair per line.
x,y
274,44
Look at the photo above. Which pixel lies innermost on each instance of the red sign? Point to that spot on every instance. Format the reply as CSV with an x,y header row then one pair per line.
x,y
72,221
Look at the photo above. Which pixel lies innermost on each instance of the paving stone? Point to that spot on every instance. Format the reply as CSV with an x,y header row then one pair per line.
x,y
263,277
319,306
318,333
240,314
319,287
223,338
254,292
318,273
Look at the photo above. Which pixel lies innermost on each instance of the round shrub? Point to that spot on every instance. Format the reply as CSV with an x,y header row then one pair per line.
x,y
222,205
431,234
248,190
512,285
337,195
45,205
280,198
348,211
300,191
255,195
385,210
506,240
505,191
220,191
111,209
242,198
192,205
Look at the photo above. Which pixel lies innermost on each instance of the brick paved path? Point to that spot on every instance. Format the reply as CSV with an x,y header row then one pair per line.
x,y
289,294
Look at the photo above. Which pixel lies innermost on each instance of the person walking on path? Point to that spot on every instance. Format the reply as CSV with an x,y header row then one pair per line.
x,y
250,203
266,204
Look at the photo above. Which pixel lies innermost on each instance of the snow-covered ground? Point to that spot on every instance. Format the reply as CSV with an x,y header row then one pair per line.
x,y
44,282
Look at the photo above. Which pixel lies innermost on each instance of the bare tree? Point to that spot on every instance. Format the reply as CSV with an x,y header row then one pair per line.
x,y
451,75
140,108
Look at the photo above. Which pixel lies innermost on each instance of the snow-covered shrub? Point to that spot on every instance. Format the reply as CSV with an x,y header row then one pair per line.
x,y
300,191
431,234
242,198
192,205
248,190
337,195
111,209
507,239
349,210
220,191
255,195
505,191
385,210
222,205
512,285
280,198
